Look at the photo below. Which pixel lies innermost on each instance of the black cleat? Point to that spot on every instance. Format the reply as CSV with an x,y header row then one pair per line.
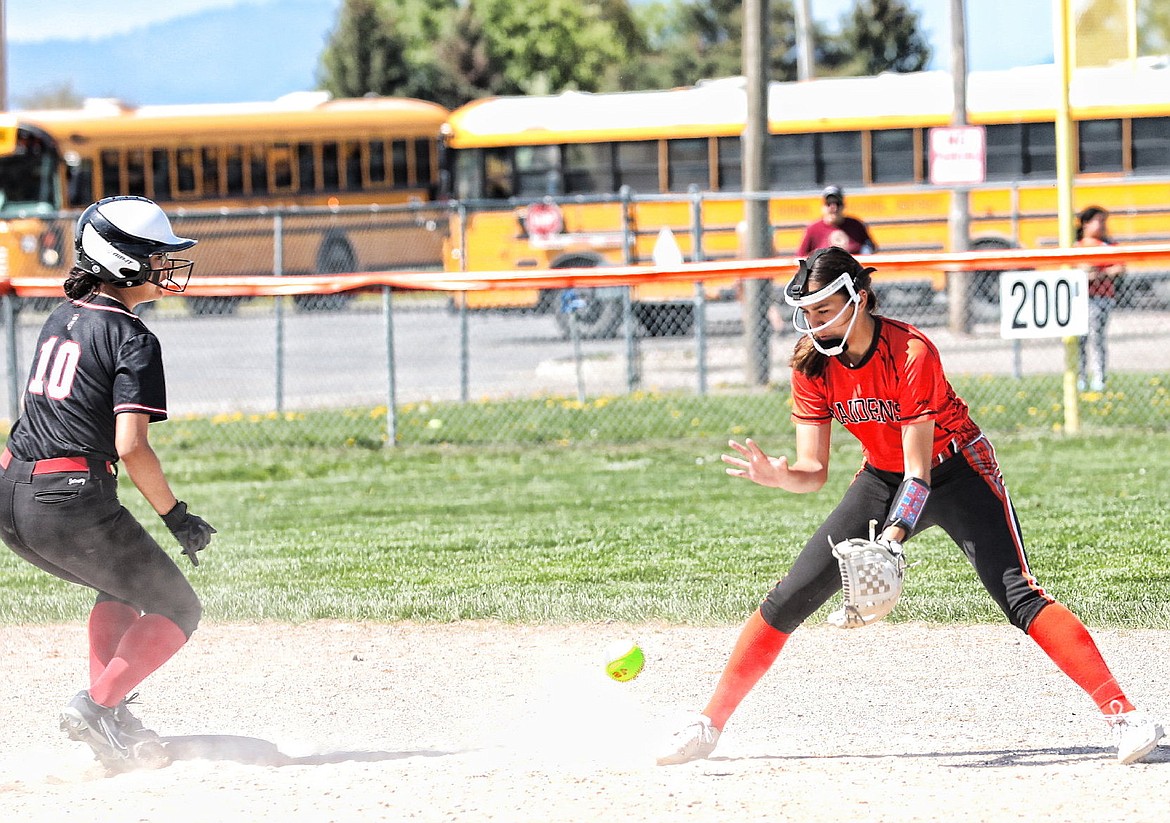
x,y
116,748
130,725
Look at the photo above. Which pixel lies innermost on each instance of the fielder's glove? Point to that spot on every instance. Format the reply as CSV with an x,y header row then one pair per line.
x,y
871,580
192,531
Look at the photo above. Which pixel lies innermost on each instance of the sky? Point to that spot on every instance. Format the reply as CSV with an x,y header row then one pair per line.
x,y
992,41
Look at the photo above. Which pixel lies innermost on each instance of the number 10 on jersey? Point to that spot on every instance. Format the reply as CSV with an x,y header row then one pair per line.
x,y
1043,303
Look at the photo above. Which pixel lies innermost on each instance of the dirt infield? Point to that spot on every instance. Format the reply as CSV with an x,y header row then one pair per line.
x,y
480,721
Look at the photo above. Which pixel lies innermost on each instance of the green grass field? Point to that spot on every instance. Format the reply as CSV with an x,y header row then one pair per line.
x,y
573,528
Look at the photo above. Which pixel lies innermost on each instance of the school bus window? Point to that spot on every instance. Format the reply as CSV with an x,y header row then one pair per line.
x,y
588,168
1099,145
79,188
377,162
233,168
538,170
1039,150
892,159
1151,144
688,162
160,174
186,172
422,162
352,163
469,174
791,161
637,166
258,163
210,162
840,157
497,173
136,172
111,168
400,173
307,166
730,164
1005,151
330,170
280,163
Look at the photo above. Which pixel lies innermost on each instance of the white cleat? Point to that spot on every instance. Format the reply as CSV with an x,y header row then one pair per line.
x,y
694,741
1135,734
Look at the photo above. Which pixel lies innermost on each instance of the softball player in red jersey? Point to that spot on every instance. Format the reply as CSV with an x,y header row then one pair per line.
x,y
925,464
95,386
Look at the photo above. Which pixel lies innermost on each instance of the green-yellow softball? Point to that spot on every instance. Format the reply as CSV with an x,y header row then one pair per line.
x,y
624,660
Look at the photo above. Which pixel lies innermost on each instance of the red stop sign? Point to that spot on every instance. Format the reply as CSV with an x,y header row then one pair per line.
x,y
544,220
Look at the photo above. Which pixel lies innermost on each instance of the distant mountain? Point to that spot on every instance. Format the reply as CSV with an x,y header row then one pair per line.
x,y
227,55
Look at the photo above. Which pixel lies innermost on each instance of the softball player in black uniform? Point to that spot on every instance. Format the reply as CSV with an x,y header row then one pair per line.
x,y
95,386
926,464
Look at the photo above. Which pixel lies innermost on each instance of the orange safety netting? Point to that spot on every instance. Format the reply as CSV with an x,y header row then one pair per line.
x,y
771,268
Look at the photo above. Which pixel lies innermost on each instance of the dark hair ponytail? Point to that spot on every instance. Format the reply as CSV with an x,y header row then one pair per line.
x,y
80,284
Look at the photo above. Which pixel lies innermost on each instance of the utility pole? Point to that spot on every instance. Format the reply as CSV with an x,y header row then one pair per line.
x,y
805,62
3,57
958,283
757,293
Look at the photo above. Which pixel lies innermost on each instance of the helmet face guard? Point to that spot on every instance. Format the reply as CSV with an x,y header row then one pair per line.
x,y
795,296
123,240
173,276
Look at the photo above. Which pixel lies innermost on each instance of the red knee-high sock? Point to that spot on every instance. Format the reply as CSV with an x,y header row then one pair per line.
x,y
109,620
755,651
1064,638
149,643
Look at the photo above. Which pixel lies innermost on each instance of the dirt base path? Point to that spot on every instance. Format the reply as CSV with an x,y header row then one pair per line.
x,y
477,721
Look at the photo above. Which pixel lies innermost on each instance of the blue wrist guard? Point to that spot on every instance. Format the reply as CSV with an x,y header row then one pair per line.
x,y
908,504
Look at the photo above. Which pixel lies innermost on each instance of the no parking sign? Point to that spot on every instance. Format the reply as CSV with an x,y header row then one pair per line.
x,y
958,155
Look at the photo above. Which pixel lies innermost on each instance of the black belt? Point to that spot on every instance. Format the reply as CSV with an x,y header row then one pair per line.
x,y
950,451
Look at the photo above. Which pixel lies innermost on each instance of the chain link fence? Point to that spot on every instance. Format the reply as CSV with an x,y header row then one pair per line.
x,y
404,366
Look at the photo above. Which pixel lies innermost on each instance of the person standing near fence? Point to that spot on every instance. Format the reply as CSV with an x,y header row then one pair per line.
x,y
835,228
1092,231
95,385
926,463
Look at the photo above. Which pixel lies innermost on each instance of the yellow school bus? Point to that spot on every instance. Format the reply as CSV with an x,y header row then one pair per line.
x,y
198,160
559,162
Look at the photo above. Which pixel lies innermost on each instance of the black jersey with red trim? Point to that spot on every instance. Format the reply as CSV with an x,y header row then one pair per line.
x,y
900,380
95,359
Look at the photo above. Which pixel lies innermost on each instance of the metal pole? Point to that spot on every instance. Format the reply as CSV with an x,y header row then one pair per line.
x,y
578,364
278,307
3,59
464,351
700,321
629,322
958,283
391,374
805,64
1062,39
13,356
1017,344
757,293
464,342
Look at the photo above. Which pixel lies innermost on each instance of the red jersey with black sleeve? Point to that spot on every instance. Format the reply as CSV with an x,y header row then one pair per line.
x,y
94,359
900,380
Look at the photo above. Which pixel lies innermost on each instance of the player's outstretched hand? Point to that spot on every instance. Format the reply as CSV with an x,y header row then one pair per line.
x,y
191,530
755,465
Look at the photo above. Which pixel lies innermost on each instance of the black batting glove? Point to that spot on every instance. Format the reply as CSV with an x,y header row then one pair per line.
x,y
192,531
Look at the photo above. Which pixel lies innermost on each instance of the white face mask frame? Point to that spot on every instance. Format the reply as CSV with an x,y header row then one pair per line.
x,y
845,281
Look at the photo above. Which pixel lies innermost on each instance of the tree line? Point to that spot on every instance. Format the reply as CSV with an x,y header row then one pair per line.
x,y
454,51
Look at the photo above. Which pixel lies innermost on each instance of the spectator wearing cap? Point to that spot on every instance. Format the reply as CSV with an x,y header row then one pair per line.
x,y
835,228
